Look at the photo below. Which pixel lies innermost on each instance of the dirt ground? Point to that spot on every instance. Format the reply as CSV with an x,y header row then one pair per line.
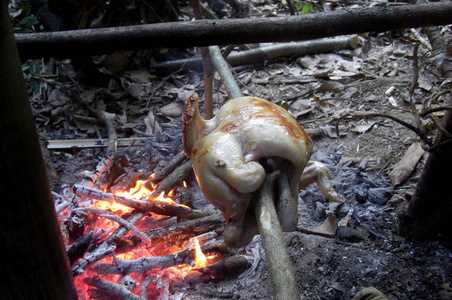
x,y
366,250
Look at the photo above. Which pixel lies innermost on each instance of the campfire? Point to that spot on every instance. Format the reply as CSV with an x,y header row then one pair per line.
x,y
133,240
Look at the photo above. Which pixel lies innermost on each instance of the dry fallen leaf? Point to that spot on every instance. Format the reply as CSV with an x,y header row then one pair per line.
x,y
361,128
329,226
152,126
172,110
402,170
369,293
331,86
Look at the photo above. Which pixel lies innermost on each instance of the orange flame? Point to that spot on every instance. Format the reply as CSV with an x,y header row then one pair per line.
x,y
142,191
200,258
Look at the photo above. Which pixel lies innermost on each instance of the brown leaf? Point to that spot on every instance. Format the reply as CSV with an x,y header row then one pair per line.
x,y
403,169
361,128
329,226
172,110
331,86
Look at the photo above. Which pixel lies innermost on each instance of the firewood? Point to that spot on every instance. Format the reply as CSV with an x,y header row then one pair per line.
x,y
143,264
188,227
231,266
106,247
119,220
79,247
111,288
169,168
173,180
159,207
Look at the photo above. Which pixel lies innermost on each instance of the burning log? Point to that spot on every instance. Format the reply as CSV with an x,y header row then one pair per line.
x,y
231,266
156,206
111,288
107,247
169,168
172,180
188,227
119,220
143,264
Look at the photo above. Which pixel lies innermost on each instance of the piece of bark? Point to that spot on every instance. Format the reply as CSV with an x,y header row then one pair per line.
x,y
232,31
79,247
276,254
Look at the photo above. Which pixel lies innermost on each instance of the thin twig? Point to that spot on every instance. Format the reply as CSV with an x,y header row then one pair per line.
x,y
420,133
120,221
414,111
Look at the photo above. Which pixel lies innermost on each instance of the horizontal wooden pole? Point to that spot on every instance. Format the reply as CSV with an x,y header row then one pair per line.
x,y
232,31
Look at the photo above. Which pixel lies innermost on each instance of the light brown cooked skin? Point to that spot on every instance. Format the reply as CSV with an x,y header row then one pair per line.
x,y
226,151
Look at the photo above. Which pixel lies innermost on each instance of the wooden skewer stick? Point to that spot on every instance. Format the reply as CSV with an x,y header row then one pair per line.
x,y
277,256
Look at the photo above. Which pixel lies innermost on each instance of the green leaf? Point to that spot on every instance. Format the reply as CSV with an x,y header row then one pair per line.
x,y
29,21
299,5
307,8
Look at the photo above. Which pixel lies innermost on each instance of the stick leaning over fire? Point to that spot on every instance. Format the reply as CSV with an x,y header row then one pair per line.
x,y
277,257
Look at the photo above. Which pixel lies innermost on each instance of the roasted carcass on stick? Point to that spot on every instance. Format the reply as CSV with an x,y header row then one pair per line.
x,y
232,152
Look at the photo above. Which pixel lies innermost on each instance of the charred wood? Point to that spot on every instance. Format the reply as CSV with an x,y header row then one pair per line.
x,y
79,247
143,264
106,247
111,288
173,180
229,267
169,168
188,228
159,207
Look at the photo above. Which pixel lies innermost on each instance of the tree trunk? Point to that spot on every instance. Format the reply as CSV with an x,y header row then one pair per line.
x,y
430,210
233,31
35,264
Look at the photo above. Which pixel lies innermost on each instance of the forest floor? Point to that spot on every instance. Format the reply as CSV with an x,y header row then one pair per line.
x,y
374,77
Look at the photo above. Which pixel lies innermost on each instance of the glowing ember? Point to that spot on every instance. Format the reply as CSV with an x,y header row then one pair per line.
x,y
128,249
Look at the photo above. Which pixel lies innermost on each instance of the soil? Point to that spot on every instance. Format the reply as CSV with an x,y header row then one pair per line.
x,y
366,250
